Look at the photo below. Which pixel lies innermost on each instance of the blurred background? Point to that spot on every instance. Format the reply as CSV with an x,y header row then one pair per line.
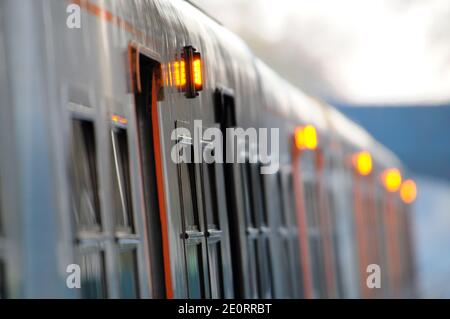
x,y
384,63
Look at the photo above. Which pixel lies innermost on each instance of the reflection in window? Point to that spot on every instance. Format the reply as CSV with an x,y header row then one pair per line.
x,y
215,270
129,288
194,271
123,208
85,199
93,281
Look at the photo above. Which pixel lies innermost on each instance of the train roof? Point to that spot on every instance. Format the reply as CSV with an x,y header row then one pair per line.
x,y
179,22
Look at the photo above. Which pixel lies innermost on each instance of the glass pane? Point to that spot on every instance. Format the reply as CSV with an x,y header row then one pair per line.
x,y
123,207
93,281
310,204
194,271
249,216
265,269
288,276
253,269
129,287
291,204
85,200
1,210
317,268
215,270
210,198
280,204
291,217
2,280
260,188
258,213
188,194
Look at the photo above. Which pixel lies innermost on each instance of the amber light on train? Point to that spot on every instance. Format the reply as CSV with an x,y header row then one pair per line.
x,y
408,191
186,74
362,162
392,179
179,73
306,137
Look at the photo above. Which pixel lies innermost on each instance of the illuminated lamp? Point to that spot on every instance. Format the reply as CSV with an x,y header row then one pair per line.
x,y
392,179
306,137
408,191
186,74
362,162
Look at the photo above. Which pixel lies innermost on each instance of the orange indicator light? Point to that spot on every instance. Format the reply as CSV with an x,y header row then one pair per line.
x,y
306,137
362,161
392,179
408,191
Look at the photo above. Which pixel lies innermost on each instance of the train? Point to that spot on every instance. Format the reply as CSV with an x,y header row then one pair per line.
x,y
95,95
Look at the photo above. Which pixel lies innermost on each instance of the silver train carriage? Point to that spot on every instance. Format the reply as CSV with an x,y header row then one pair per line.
x,y
88,118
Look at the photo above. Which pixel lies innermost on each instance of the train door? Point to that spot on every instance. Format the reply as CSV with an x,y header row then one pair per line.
x,y
216,223
204,221
248,217
332,213
258,225
359,195
364,202
347,257
326,219
381,238
391,220
315,237
146,83
245,282
287,232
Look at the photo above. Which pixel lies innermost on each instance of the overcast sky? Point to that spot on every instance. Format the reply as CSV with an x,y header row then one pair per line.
x,y
355,51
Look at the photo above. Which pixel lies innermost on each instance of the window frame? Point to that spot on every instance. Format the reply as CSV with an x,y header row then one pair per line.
x,y
95,239
258,233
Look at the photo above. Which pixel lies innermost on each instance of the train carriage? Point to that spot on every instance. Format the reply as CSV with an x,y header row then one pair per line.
x,y
91,175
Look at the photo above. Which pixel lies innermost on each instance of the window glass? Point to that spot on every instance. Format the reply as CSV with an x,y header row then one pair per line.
x,y
254,272
85,199
215,270
194,271
252,232
214,238
1,211
2,280
210,198
93,281
314,237
250,214
189,196
291,205
194,236
123,208
129,282
288,269
257,227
